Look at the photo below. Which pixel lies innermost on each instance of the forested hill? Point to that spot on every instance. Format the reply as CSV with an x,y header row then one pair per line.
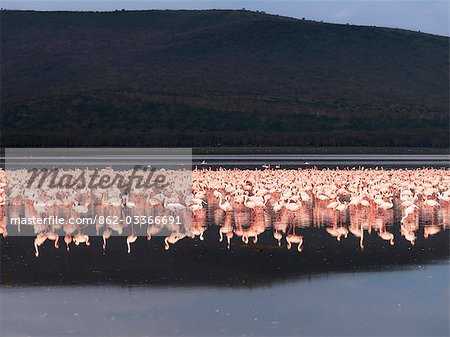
x,y
204,78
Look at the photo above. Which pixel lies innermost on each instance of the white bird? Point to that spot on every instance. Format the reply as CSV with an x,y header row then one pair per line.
x,y
128,203
130,239
80,208
430,203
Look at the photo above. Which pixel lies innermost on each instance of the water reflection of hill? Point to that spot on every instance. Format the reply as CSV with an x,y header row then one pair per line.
x,y
209,263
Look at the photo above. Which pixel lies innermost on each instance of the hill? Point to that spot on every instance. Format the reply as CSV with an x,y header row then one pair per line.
x,y
218,77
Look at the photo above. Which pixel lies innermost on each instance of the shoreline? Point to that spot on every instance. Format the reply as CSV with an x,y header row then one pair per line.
x,y
318,150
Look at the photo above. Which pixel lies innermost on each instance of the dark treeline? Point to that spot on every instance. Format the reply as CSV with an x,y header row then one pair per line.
x,y
390,138
123,121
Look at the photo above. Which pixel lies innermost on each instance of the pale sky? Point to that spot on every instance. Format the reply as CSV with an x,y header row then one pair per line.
x,y
421,15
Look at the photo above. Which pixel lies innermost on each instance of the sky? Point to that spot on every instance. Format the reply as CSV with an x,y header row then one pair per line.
x,y
427,16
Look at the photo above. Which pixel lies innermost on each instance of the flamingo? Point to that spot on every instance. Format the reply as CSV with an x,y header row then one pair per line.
x,y
278,235
67,240
430,230
409,210
105,235
341,207
293,238
81,238
152,230
387,204
293,206
296,239
80,208
334,204
130,239
225,206
443,197
53,237
128,203
38,241
359,233
430,202
387,236
248,203
172,238
39,206
174,206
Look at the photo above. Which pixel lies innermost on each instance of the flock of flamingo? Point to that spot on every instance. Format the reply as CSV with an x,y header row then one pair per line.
x,y
243,204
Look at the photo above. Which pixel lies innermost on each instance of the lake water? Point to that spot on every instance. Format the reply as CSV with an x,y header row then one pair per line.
x,y
406,302
337,286
332,288
130,157
322,160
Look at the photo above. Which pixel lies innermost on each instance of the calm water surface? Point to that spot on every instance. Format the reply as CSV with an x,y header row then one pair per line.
x,y
200,287
408,302
85,157
323,160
